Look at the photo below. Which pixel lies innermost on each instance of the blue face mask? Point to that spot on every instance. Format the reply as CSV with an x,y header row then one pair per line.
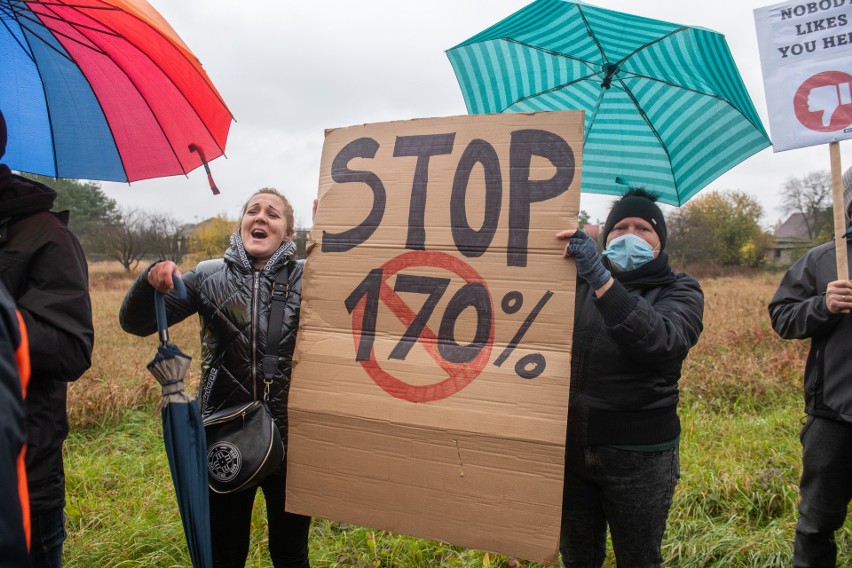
x,y
629,252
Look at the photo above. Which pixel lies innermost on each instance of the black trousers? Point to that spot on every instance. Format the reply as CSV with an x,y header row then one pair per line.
x,y
230,524
824,491
631,492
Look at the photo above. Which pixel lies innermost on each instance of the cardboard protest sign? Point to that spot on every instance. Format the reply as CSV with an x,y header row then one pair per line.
x,y
806,58
430,384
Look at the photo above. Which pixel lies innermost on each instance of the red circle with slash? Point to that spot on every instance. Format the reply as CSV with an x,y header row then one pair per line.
x,y
459,374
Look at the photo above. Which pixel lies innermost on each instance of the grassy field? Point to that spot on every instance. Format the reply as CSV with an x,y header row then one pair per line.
x,y
735,504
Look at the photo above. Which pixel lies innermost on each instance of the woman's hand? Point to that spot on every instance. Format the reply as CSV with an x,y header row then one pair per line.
x,y
161,274
589,265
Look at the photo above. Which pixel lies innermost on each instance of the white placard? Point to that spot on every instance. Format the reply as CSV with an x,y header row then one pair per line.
x,y
806,57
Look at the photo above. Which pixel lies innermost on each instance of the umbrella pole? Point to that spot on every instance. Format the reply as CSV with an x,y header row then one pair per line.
x,y
839,213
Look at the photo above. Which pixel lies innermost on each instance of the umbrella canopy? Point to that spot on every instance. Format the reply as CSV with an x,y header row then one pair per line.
x,y
105,90
666,108
183,436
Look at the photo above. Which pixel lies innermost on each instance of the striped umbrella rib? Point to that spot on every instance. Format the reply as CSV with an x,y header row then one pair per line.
x,y
652,43
720,157
731,82
648,123
683,88
664,103
601,53
491,64
477,65
528,17
512,88
565,32
691,148
469,93
624,35
555,89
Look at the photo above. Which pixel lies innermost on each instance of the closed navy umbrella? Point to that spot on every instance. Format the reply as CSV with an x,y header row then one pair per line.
x,y
183,436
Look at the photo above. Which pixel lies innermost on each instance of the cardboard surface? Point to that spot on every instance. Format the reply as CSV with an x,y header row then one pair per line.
x,y
433,252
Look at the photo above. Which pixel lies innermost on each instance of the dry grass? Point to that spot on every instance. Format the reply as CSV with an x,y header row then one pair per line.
x,y
118,380
738,355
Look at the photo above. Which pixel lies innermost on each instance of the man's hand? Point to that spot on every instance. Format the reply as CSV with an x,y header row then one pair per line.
x,y
838,296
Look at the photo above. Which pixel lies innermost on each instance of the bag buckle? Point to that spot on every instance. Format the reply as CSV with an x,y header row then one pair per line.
x,y
280,291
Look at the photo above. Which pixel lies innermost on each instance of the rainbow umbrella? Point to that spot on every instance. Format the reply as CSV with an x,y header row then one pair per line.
x,y
105,90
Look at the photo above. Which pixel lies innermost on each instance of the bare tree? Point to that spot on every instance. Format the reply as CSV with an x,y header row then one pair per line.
x,y
810,195
168,240
128,238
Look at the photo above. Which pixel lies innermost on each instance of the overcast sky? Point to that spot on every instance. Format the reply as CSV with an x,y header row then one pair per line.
x,y
288,71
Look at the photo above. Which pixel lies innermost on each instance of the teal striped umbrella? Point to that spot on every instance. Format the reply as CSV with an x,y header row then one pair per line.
x,y
666,108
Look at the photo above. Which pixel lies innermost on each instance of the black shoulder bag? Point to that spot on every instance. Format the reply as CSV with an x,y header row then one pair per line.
x,y
243,443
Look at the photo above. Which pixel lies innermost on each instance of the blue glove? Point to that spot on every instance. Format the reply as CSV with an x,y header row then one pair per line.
x,y
589,265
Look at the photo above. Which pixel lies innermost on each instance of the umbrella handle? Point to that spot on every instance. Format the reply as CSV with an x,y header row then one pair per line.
x,y
160,307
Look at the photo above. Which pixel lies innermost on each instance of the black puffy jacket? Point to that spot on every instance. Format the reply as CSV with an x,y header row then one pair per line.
x,y
233,302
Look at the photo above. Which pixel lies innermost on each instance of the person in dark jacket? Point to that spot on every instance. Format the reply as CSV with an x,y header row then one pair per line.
x,y
813,303
635,320
43,266
13,537
232,297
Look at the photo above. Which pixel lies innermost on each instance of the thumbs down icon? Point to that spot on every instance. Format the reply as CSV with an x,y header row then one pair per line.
x,y
827,98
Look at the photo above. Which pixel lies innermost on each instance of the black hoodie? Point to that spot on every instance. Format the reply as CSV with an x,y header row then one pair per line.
x,y
45,271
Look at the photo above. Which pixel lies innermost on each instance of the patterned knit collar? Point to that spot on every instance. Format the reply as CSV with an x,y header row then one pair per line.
x,y
285,251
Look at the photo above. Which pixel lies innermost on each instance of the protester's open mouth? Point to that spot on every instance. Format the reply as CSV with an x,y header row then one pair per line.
x,y
258,234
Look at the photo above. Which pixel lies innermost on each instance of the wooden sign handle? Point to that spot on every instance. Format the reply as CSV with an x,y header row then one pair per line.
x,y
839,212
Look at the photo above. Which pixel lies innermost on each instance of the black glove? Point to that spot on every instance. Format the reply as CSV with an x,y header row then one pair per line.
x,y
589,265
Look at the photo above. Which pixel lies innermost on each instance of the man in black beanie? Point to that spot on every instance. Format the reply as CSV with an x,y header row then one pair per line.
x,y
635,320
43,267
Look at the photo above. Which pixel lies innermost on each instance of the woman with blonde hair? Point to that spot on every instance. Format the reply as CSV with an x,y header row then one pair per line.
x,y
232,297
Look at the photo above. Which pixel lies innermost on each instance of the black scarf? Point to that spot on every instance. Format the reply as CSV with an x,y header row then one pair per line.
x,y
650,275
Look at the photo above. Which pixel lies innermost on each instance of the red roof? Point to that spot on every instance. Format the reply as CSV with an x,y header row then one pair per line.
x,y
593,231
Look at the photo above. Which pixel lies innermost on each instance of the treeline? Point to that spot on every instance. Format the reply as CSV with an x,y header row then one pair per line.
x,y
131,235
714,228
725,229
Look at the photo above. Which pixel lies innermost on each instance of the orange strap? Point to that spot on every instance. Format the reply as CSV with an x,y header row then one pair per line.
x,y
22,355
